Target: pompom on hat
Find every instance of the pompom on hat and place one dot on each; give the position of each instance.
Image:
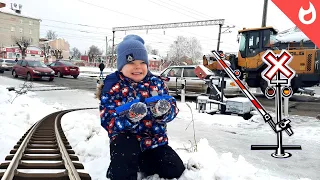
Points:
(130, 49)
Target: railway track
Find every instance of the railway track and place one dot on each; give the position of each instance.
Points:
(43, 153)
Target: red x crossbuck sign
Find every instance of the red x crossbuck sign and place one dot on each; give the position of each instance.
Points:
(277, 63)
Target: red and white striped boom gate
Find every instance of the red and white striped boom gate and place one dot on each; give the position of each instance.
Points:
(281, 125)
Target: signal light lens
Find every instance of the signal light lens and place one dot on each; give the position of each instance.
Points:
(286, 91)
(237, 72)
(270, 92)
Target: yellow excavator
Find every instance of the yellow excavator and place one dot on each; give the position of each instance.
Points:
(252, 45)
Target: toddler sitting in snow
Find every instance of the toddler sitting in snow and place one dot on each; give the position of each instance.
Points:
(138, 139)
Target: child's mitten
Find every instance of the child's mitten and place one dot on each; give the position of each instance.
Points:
(137, 111)
(161, 108)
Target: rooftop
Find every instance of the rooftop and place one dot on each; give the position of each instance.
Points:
(8, 9)
(154, 57)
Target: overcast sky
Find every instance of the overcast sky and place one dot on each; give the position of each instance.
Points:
(101, 15)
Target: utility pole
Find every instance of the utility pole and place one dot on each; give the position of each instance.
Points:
(112, 57)
(222, 107)
(106, 48)
(225, 31)
(178, 57)
(219, 37)
(264, 15)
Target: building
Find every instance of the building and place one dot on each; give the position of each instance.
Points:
(15, 25)
(55, 45)
(84, 58)
(155, 62)
(97, 60)
(13, 52)
(2, 5)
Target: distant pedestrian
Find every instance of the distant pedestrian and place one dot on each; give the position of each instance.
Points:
(101, 67)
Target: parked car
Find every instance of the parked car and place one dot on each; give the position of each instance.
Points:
(194, 85)
(32, 69)
(65, 68)
(6, 64)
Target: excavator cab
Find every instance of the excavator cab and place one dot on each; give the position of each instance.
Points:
(252, 43)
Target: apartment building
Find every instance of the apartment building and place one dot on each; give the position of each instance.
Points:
(16, 24)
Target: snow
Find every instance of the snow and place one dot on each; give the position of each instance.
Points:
(222, 148)
(95, 69)
(202, 98)
(87, 71)
(239, 99)
(292, 35)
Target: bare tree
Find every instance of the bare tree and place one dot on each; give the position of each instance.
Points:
(46, 50)
(109, 51)
(23, 44)
(94, 51)
(51, 35)
(76, 53)
(184, 49)
(178, 50)
(195, 50)
(24, 88)
(148, 48)
(57, 53)
(154, 51)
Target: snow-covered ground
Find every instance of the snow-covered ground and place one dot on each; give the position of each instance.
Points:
(86, 71)
(223, 142)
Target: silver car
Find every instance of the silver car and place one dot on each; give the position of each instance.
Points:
(194, 85)
(6, 65)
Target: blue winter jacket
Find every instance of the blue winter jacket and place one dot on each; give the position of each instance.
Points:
(118, 90)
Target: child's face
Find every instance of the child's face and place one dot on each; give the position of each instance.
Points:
(135, 70)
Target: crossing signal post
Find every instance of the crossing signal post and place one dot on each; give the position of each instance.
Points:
(277, 74)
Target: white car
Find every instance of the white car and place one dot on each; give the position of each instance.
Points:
(6, 64)
(194, 85)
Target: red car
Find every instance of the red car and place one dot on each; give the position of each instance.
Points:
(32, 69)
(65, 68)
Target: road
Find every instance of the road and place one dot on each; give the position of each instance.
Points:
(83, 83)
(299, 104)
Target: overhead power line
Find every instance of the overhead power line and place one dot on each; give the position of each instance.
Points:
(79, 30)
(171, 25)
(77, 24)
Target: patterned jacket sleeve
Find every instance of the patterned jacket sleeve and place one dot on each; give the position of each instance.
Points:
(173, 112)
(110, 120)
